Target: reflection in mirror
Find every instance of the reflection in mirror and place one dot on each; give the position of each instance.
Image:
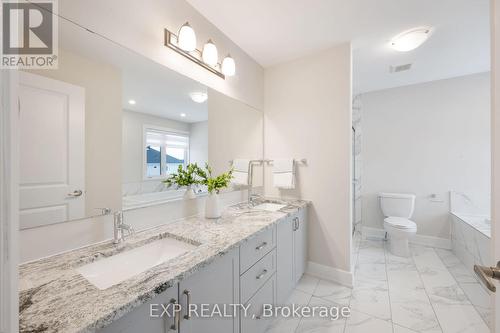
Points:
(165, 125)
(100, 133)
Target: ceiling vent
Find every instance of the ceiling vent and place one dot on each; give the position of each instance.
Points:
(400, 68)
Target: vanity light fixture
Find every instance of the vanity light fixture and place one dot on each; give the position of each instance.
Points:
(187, 38)
(410, 39)
(131, 102)
(228, 66)
(198, 97)
(183, 115)
(209, 54)
(185, 44)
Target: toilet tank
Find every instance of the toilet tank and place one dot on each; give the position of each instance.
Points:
(397, 204)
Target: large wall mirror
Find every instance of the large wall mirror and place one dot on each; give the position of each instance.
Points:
(101, 132)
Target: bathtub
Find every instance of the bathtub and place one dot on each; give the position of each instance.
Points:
(470, 238)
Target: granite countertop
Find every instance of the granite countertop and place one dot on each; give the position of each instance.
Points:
(54, 297)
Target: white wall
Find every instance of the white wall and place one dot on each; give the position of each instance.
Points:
(139, 25)
(132, 141)
(495, 140)
(424, 139)
(198, 143)
(308, 115)
(235, 131)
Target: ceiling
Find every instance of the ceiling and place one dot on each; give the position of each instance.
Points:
(276, 31)
(156, 89)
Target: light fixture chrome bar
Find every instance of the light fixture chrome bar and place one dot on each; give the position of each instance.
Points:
(194, 56)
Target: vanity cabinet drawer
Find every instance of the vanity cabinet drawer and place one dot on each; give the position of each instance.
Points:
(257, 275)
(256, 248)
(253, 322)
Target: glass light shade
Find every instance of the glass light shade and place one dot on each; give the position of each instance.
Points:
(198, 97)
(209, 55)
(410, 40)
(228, 66)
(186, 38)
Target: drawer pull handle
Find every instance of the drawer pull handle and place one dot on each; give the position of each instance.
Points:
(177, 316)
(188, 302)
(261, 275)
(261, 246)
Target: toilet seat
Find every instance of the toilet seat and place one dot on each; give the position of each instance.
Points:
(400, 223)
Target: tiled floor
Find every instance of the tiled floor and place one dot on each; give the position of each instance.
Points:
(429, 292)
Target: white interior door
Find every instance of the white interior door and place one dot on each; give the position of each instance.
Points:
(52, 150)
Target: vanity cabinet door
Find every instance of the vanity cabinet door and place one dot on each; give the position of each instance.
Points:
(140, 319)
(300, 243)
(216, 285)
(285, 277)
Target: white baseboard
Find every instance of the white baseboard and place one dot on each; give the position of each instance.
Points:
(330, 273)
(442, 243)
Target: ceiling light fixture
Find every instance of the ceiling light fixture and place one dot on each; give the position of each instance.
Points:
(131, 102)
(183, 115)
(410, 39)
(198, 97)
(187, 38)
(185, 44)
(209, 54)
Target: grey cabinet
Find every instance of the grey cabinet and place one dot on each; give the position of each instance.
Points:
(291, 251)
(140, 319)
(300, 244)
(285, 275)
(216, 285)
(254, 321)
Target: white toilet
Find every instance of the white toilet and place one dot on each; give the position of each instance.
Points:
(397, 209)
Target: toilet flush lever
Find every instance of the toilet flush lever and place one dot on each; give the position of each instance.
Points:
(488, 273)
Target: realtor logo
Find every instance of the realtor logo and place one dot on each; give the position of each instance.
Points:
(29, 34)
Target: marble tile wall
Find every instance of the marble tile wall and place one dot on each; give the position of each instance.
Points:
(469, 244)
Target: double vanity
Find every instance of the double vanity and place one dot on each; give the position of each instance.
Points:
(253, 255)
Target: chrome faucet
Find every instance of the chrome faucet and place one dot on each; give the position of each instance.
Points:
(252, 196)
(119, 227)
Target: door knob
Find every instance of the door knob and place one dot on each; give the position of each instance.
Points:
(486, 274)
(75, 193)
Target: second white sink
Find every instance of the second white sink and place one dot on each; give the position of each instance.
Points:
(271, 207)
(107, 272)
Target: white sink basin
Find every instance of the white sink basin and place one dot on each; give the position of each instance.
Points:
(271, 207)
(107, 272)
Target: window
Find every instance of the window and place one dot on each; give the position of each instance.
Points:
(165, 151)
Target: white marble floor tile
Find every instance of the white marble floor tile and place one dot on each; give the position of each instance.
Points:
(411, 308)
(460, 318)
(372, 299)
(476, 294)
(462, 274)
(425, 258)
(281, 325)
(404, 279)
(319, 324)
(333, 292)
(442, 287)
(401, 329)
(361, 323)
(373, 272)
(448, 257)
(307, 284)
